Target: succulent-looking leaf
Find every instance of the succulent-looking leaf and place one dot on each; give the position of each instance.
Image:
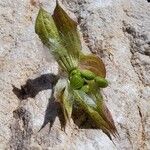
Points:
(93, 63)
(76, 82)
(87, 74)
(98, 114)
(67, 28)
(101, 82)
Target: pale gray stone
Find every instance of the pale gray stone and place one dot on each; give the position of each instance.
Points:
(116, 30)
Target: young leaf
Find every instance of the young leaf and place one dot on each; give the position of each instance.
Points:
(60, 85)
(63, 94)
(91, 108)
(49, 34)
(45, 28)
(93, 63)
(67, 102)
(67, 28)
(105, 113)
(102, 108)
(59, 34)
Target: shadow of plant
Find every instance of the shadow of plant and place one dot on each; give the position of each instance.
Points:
(34, 86)
(52, 111)
(48, 81)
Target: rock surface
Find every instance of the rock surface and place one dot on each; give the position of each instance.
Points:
(118, 31)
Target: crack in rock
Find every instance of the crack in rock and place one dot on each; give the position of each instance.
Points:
(143, 136)
(140, 48)
(21, 129)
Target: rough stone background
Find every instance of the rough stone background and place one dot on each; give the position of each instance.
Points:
(118, 31)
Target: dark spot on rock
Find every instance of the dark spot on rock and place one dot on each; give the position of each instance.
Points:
(130, 30)
(21, 129)
(34, 2)
(147, 53)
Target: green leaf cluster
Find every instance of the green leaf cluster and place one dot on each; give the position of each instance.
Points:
(86, 73)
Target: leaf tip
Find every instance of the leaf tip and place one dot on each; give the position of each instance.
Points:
(57, 2)
(37, 20)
